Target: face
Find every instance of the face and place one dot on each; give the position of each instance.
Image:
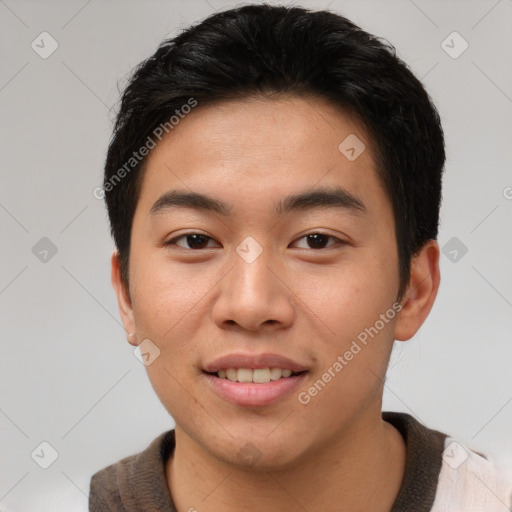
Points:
(297, 269)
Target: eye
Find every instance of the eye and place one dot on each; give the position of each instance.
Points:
(318, 240)
(200, 241)
(193, 240)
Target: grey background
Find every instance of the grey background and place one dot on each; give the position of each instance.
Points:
(68, 376)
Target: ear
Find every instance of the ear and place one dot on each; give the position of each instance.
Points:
(123, 298)
(421, 291)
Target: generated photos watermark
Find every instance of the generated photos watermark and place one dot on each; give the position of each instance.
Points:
(304, 397)
(137, 156)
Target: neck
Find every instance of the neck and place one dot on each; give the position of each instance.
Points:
(360, 470)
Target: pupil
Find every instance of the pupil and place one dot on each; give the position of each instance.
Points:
(195, 242)
(317, 239)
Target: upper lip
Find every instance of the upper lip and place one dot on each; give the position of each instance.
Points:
(253, 361)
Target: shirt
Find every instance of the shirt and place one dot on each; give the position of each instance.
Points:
(441, 475)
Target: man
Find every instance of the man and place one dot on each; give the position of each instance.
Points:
(273, 186)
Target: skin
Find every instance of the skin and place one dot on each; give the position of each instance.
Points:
(296, 300)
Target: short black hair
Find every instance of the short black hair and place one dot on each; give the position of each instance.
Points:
(266, 50)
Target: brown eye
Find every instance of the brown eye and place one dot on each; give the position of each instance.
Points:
(318, 240)
(193, 240)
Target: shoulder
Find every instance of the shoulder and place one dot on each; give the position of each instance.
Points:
(108, 484)
(122, 485)
(471, 481)
(443, 474)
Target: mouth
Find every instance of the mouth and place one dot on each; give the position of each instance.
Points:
(254, 387)
(255, 375)
(254, 380)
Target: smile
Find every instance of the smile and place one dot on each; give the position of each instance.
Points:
(254, 388)
(258, 375)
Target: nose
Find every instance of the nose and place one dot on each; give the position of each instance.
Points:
(255, 295)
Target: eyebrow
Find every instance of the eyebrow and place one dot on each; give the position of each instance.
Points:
(338, 198)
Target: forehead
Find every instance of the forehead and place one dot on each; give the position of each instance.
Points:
(255, 151)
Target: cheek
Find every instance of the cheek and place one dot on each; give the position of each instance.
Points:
(350, 296)
(353, 343)
(170, 303)
(165, 293)
(348, 304)
(167, 305)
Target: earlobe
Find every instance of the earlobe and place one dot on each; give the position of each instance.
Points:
(123, 298)
(421, 291)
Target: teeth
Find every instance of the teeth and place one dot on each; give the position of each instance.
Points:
(244, 375)
(260, 375)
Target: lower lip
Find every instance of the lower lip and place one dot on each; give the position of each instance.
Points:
(250, 394)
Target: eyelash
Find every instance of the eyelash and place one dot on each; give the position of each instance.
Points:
(184, 235)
